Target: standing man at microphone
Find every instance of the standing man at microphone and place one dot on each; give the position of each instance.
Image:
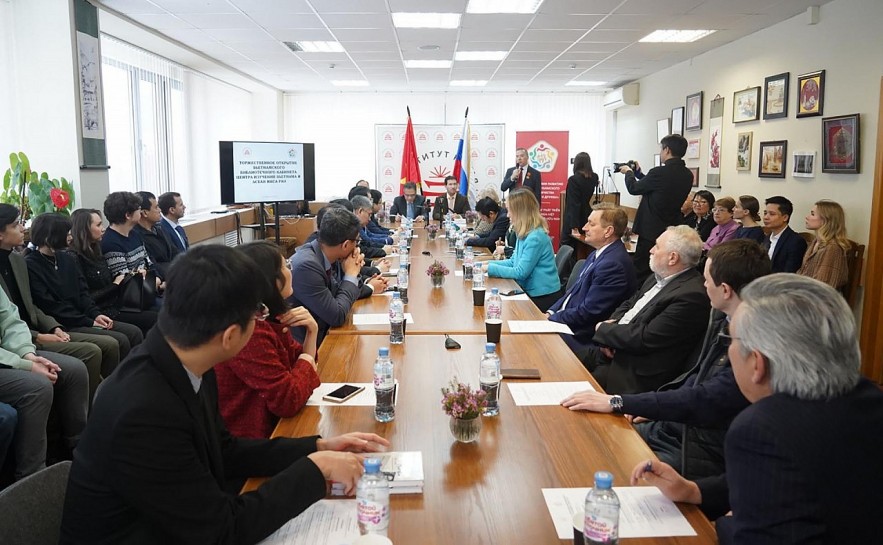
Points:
(523, 175)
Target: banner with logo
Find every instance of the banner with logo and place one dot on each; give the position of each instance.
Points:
(436, 149)
(547, 151)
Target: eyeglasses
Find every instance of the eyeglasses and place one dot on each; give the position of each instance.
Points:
(719, 209)
(261, 313)
(287, 263)
(726, 337)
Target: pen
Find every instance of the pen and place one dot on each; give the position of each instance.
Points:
(649, 467)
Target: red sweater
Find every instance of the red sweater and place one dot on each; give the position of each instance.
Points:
(264, 382)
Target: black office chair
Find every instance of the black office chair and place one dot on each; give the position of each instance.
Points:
(30, 510)
(562, 262)
(574, 274)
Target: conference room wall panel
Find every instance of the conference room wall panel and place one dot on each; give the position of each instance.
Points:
(342, 125)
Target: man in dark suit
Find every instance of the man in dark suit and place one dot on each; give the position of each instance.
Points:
(325, 272)
(605, 281)
(409, 204)
(154, 463)
(803, 460)
(451, 201)
(158, 243)
(524, 175)
(172, 208)
(786, 248)
(491, 212)
(662, 191)
(650, 339)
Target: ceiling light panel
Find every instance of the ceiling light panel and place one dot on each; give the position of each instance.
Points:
(424, 63)
(349, 83)
(503, 6)
(426, 20)
(316, 47)
(468, 83)
(675, 36)
(480, 55)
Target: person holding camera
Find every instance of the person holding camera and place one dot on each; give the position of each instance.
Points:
(663, 190)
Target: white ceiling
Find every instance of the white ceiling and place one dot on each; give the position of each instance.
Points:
(590, 40)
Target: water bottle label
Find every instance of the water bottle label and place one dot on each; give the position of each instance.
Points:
(383, 382)
(600, 529)
(373, 516)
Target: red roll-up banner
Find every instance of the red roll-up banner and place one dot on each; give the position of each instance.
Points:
(547, 152)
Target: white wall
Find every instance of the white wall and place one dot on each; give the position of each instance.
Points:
(342, 125)
(846, 42)
(9, 134)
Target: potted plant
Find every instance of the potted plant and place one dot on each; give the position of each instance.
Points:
(463, 404)
(35, 194)
(437, 272)
(432, 229)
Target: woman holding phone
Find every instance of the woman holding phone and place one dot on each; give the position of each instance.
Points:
(274, 375)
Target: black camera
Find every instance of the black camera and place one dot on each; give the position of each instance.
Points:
(631, 164)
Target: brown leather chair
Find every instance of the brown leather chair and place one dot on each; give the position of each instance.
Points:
(855, 260)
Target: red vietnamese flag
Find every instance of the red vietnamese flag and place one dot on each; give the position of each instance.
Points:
(410, 165)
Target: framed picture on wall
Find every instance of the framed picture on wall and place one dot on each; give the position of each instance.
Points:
(693, 148)
(841, 144)
(773, 159)
(743, 150)
(775, 96)
(677, 120)
(811, 94)
(662, 129)
(746, 105)
(694, 112)
(657, 160)
(695, 171)
(804, 164)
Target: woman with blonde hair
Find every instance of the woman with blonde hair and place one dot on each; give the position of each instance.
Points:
(825, 259)
(532, 264)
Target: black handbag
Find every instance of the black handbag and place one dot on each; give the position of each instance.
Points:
(138, 292)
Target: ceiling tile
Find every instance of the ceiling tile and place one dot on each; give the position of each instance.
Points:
(635, 22)
(132, 7)
(357, 47)
(578, 56)
(498, 21)
(302, 35)
(189, 6)
(489, 34)
(655, 7)
(238, 35)
(272, 6)
(360, 20)
(541, 46)
(615, 36)
(426, 36)
(375, 58)
(428, 6)
(189, 36)
(350, 6)
(560, 35)
(218, 20)
(577, 22)
(272, 20)
(161, 21)
(364, 35)
(558, 7)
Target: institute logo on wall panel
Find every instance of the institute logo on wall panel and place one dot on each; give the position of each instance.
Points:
(547, 152)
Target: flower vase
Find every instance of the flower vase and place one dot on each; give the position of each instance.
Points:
(438, 280)
(465, 430)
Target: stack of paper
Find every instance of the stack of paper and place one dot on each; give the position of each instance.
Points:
(403, 470)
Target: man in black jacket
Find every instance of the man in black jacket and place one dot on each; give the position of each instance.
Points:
(662, 191)
(685, 421)
(160, 248)
(155, 458)
(523, 175)
(409, 204)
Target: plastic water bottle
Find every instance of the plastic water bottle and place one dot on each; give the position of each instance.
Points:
(404, 257)
(384, 386)
(372, 500)
(601, 524)
(459, 247)
(477, 276)
(402, 280)
(489, 379)
(468, 261)
(493, 306)
(396, 319)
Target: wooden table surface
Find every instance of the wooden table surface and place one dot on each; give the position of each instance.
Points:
(448, 309)
(488, 492)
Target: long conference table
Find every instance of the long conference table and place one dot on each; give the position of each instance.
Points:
(487, 492)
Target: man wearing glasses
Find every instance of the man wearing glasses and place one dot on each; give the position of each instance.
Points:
(409, 204)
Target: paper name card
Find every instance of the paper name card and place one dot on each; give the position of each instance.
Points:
(538, 326)
(378, 319)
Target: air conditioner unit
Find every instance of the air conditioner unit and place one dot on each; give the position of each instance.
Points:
(627, 95)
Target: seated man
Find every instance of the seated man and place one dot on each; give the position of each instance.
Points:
(325, 273)
(489, 211)
(452, 201)
(650, 339)
(803, 460)
(172, 208)
(786, 248)
(154, 459)
(605, 281)
(160, 248)
(409, 204)
(363, 208)
(374, 225)
(689, 417)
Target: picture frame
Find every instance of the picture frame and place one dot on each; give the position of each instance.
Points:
(695, 171)
(841, 144)
(743, 150)
(811, 94)
(677, 120)
(746, 105)
(693, 112)
(773, 159)
(657, 160)
(775, 96)
(804, 164)
(693, 146)
(662, 129)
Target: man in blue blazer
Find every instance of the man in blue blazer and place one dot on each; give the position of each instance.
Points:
(605, 281)
(803, 461)
(173, 208)
(786, 248)
(409, 204)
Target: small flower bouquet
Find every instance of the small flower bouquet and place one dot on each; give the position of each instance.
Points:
(461, 401)
(471, 217)
(432, 230)
(437, 269)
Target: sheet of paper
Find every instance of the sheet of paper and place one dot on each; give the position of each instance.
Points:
(538, 326)
(458, 273)
(644, 512)
(326, 522)
(378, 319)
(519, 297)
(544, 393)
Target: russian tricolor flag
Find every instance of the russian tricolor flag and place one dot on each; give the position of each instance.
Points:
(461, 160)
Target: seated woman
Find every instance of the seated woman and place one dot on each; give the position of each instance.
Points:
(825, 259)
(58, 288)
(273, 376)
(532, 264)
(726, 225)
(747, 212)
(700, 218)
(482, 228)
(580, 188)
(104, 287)
(489, 211)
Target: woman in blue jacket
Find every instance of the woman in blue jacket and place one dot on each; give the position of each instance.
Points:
(532, 264)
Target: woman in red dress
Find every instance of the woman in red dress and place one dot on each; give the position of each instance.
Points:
(273, 376)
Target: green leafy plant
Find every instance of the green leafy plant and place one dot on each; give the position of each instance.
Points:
(35, 194)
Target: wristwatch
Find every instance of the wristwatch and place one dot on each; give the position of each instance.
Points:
(616, 404)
